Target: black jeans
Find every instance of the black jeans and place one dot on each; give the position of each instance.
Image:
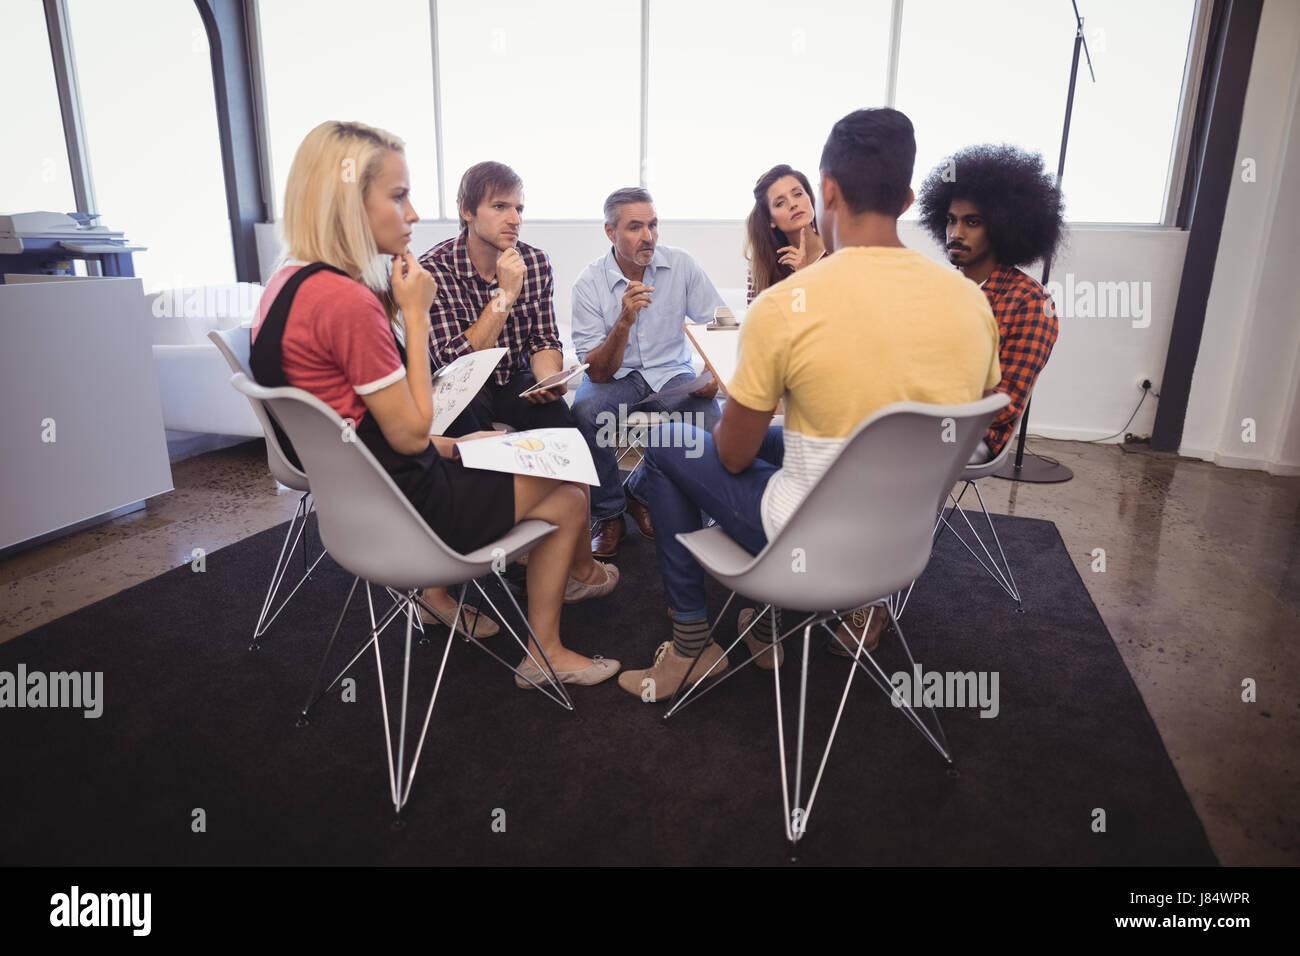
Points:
(501, 403)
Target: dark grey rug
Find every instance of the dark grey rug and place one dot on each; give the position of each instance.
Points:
(197, 728)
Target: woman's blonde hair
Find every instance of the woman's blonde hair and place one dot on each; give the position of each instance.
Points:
(324, 202)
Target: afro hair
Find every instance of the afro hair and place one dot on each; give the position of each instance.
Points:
(1017, 197)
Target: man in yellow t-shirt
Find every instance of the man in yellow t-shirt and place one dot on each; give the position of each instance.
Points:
(871, 324)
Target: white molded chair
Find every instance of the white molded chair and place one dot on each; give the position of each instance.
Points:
(865, 532)
(235, 345)
(372, 530)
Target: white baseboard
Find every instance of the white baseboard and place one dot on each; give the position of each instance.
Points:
(1280, 468)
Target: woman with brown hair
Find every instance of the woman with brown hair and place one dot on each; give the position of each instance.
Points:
(329, 323)
(781, 232)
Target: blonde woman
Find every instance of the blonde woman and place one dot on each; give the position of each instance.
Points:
(329, 324)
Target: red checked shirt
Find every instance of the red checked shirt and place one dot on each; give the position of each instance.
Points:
(1027, 330)
(463, 295)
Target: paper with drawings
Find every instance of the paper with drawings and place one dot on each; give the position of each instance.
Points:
(546, 452)
(456, 384)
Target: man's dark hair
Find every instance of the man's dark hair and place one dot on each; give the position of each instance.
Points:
(870, 154)
(482, 181)
(624, 197)
(1022, 207)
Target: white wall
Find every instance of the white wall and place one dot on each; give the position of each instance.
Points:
(1089, 387)
(1249, 361)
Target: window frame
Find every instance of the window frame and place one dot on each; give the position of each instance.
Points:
(56, 13)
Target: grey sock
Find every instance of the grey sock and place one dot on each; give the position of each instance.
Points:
(763, 628)
(689, 637)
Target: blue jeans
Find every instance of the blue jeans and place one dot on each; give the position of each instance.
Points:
(597, 415)
(684, 476)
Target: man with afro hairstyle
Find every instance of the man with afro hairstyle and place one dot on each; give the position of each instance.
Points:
(995, 208)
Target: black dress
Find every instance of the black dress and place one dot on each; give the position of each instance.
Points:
(467, 508)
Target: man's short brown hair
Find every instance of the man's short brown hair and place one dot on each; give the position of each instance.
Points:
(482, 181)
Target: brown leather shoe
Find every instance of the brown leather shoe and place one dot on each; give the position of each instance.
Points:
(845, 642)
(641, 515)
(604, 544)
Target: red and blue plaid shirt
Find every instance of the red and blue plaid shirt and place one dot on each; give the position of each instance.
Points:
(1027, 330)
(463, 295)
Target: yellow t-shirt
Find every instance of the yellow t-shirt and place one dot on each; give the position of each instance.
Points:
(865, 327)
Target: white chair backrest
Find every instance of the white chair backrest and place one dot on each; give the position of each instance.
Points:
(366, 524)
(235, 345)
(864, 530)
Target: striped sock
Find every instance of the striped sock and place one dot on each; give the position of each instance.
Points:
(763, 628)
(689, 637)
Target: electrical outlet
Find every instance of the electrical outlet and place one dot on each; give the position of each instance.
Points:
(1144, 383)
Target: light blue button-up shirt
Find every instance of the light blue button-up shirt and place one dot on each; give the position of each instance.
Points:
(656, 344)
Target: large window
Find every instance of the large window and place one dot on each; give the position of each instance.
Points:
(738, 86)
(339, 60)
(151, 135)
(580, 97)
(34, 162)
(551, 89)
(966, 77)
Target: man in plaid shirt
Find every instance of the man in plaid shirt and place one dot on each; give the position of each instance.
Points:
(495, 291)
(995, 208)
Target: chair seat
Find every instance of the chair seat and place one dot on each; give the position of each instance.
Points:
(717, 552)
(514, 543)
(984, 469)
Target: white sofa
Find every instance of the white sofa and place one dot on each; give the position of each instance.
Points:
(193, 378)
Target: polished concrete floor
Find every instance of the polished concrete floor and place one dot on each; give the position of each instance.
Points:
(1200, 591)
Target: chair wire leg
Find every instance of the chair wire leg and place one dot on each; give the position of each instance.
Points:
(282, 567)
(552, 679)
(835, 726)
(388, 618)
(545, 666)
(689, 694)
(936, 738)
(433, 699)
(312, 696)
(999, 571)
(399, 798)
(796, 821)
(898, 603)
(684, 690)
(795, 818)
(1006, 565)
(297, 524)
(306, 513)
(940, 522)
(780, 749)
(987, 561)
(383, 704)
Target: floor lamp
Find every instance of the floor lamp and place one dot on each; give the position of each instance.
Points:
(1032, 467)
